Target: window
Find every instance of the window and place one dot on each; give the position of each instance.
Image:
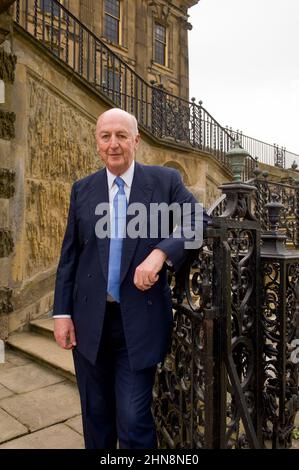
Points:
(160, 44)
(46, 6)
(112, 20)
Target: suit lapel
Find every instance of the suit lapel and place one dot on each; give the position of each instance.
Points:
(99, 194)
(141, 192)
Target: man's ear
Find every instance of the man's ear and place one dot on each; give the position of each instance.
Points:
(137, 140)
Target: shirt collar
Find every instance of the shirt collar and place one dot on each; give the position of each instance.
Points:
(127, 176)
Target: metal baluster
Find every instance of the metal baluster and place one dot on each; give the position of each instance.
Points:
(26, 15)
(74, 45)
(101, 64)
(132, 99)
(80, 38)
(113, 78)
(59, 30)
(18, 11)
(141, 104)
(43, 21)
(125, 89)
(94, 61)
(67, 38)
(52, 26)
(108, 75)
(88, 55)
(35, 18)
(201, 126)
(146, 106)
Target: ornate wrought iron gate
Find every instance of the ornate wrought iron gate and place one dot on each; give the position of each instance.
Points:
(219, 386)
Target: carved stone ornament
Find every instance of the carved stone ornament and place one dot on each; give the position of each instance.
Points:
(5, 300)
(6, 243)
(7, 179)
(7, 66)
(7, 128)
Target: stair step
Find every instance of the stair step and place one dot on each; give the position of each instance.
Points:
(45, 351)
(43, 327)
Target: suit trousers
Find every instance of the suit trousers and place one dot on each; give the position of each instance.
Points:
(116, 401)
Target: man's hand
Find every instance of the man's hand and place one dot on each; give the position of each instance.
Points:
(146, 274)
(64, 333)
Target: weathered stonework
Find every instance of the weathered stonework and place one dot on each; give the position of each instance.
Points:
(46, 215)
(7, 125)
(7, 66)
(5, 300)
(61, 149)
(6, 307)
(7, 180)
(61, 144)
(212, 191)
(6, 243)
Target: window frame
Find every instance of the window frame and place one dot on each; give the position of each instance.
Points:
(166, 44)
(120, 23)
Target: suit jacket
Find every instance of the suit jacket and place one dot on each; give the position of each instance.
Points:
(81, 282)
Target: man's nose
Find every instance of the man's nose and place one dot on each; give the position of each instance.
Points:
(114, 141)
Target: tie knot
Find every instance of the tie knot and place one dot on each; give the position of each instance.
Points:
(120, 182)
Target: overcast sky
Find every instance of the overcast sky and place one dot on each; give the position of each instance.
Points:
(244, 66)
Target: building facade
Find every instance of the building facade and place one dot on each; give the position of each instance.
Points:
(151, 36)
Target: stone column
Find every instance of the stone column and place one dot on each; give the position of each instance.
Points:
(7, 174)
(183, 58)
(142, 48)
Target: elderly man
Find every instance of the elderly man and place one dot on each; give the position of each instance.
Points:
(112, 302)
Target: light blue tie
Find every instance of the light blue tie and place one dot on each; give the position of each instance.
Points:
(118, 227)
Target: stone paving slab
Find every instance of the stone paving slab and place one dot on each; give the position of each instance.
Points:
(12, 359)
(58, 436)
(15, 358)
(28, 377)
(76, 424)
(10, 427)
(44, 407)
(4, 392)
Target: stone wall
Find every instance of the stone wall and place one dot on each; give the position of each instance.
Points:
(7, 173)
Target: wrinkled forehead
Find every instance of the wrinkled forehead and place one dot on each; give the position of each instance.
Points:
(116, 122)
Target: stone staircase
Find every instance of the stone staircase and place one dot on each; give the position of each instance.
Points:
(38, 343)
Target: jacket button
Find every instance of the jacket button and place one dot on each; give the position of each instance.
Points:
(86, 241)
(149, 302)
(88, 275)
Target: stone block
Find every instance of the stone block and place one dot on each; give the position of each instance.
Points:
(76, 424)
(7, 181)
(28, 377)
(6, 243)
(54, 437)
(44, 407)
(4, 392)
(10, 427)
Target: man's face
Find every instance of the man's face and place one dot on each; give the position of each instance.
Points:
(116, 142)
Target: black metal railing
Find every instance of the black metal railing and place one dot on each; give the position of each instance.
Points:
(274, 155)
(230, 379)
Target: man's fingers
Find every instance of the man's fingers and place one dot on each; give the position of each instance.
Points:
(73, 337)
(64, 333)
